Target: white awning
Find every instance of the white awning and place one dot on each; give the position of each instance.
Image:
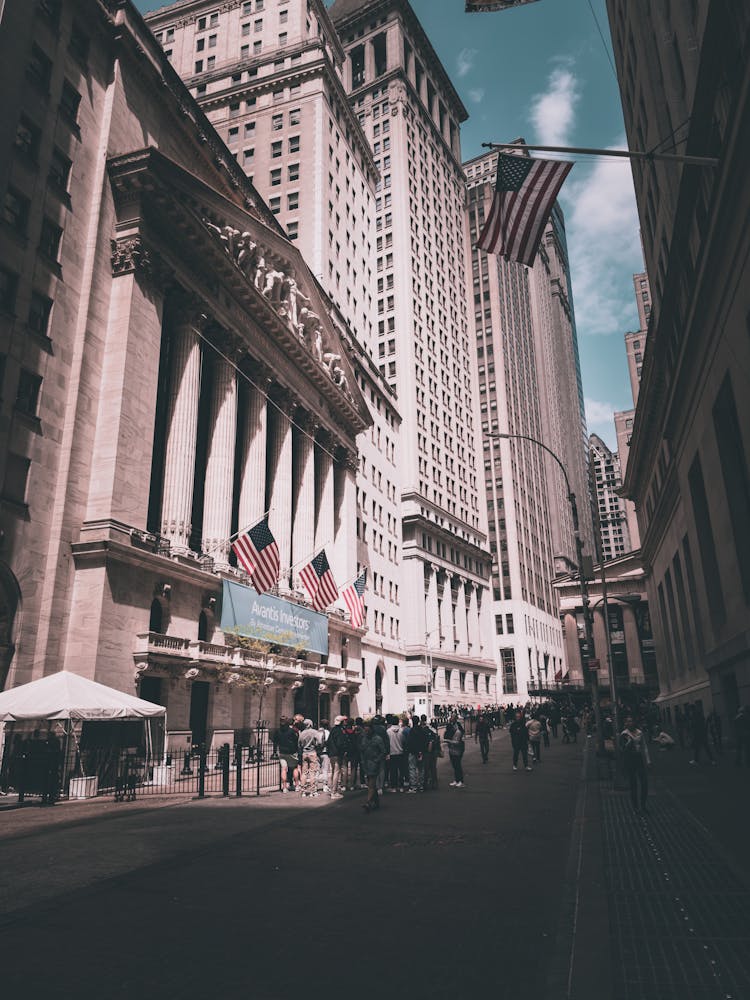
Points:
(66, 695)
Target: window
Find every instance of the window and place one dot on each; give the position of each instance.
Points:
(59, 171)
(283, 16)
(276, 177)
(16, 477)
(8, 290)
(198, 66)
(249, 129)
(295, 116)
(294, 144)
(39, 313)
(277, 122)
(234, 110)
(282, 38)
(69, 102)
(27, 138)
(244, 52)
(248, 155)
(292, 201)
(210, 62)
(276, 149)
(79, 43)
(257, 48)
(27, 396)
(275, 204)
(233, 136)
(213, 21)
(293, 172)
(212, 41)
(16, 211)
(169, 35)
(278, 95)
(258, 26)
(292, 230)
(49, 239)
(39, 70)
(200, 45)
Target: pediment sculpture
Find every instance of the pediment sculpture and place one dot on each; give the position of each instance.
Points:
(281, 289)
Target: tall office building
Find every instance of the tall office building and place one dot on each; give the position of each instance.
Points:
(684, 75)
(511, 351)
(269, 76)
(411, 114)
(607, 479)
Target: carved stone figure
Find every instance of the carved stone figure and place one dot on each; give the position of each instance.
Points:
(260, 271)
(329, 360)
(340, 379)
(246, 252)
(273, 285)
(318, 344)
(294, 296)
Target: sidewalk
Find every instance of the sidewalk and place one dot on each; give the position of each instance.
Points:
(678, 883)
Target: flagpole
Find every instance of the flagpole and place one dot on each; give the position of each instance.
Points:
(694, 161)
(315, 551)
(243, 530)
(355, 577)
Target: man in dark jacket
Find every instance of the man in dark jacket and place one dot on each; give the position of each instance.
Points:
(483, 734)
(337, 744)
(454, 740)
(285, 745)
(416, 746)
(519, 740)
(372, 752)
(380, 729)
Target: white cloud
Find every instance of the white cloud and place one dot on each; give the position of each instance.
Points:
(465, 61)
(600, 419)
(553, 112)
(477, 95)
(603, 241)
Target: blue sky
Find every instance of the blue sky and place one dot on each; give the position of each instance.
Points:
(541, 71)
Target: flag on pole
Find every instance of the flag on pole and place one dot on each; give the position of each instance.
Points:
(525, 192)
(353, 596)
(258, 554)
(479, 6)
(318, 580)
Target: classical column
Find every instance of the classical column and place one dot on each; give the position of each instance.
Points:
(486, 631)
(462, 625)
(324, 531)
(303, 528)
(433, 626)
(632, 646)
(252, 503)
(280, 485)
(573, 648)
(369, 62)
(182, 426)
(600, 644)
(473, 621)
(446, 616)
(217, 504)
(344, 558)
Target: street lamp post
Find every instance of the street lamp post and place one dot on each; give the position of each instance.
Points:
(593, 680)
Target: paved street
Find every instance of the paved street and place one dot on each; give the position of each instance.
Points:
(539, 884)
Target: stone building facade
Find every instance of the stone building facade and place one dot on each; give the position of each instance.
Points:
(171, 370)
(684, 74)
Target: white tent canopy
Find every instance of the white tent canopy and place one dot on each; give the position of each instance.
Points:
(66, 695)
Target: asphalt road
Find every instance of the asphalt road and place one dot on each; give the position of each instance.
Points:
(450, 894)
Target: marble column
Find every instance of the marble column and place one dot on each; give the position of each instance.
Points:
(486, 629)
(252, 502)
(344, 560)
(217, 505)
(446, 616)
(600, 644)
(433, 625)
(324, 530)
(473, 621)
(369, 62)
(573, 648)
(632, 646)
(182, 425)
(462, 625)
(280, 485)
(303, 528)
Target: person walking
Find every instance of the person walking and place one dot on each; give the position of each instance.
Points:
(698, 729)
(372, 753)
(454, 738)
(519, 740)
(742, 736)
(286, 747)
(534, 728)
(396, 747)
(635, 760)
(483, 736)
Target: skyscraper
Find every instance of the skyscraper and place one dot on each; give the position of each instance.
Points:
(512, 342)
(607, 477)
(411, 113)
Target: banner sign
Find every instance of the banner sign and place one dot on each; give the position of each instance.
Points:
(271, 619)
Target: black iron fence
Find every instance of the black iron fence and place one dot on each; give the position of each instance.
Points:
(130, 774)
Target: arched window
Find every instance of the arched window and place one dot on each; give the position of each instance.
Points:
(157, 616)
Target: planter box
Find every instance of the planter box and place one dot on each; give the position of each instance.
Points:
(83, 788)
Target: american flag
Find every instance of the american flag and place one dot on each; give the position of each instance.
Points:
(258, 554)
(354, 599)
(525, 192)
(318, 580)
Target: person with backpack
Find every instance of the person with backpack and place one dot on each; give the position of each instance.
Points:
(454, 738)
(483, 735)
(373, 752)
(635, 759)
